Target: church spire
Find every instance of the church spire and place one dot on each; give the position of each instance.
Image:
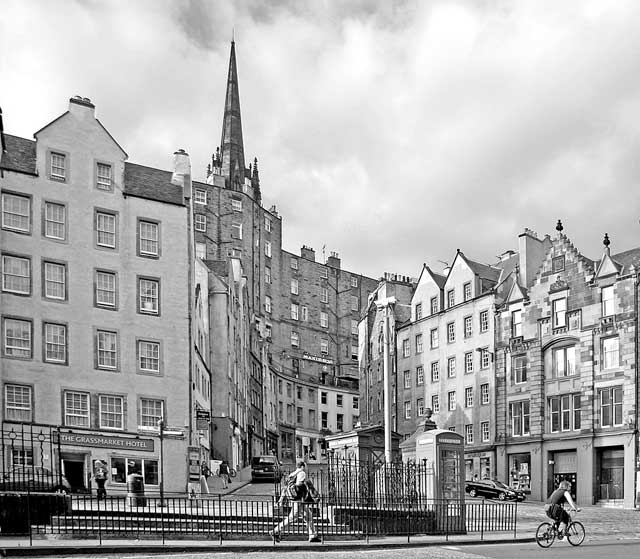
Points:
(232, 163)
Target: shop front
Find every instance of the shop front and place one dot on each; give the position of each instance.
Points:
(123, 456)
(520, 471)
(479, 465)
(610, 474)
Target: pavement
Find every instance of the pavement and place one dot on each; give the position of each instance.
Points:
(600, 523)
(242, 479)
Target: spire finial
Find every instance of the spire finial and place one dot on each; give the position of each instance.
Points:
(606, 242)
(233, 34)
(231, 145)
(559, 227)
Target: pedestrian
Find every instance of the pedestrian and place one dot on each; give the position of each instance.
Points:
(223, 473)
(205, 472)
(100, 476)
(302, 503)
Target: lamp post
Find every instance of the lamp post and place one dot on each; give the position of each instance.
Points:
(161, 430)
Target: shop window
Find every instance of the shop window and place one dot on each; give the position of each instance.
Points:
(122, 467)
(519, 471)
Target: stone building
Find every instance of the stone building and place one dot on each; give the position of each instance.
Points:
(95, 304)
(444, 355)
(566, 358)
(399, 289)
(307, 311)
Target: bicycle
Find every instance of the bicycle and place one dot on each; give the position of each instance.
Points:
(547, 533)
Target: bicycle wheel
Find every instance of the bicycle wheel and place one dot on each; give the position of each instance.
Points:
(545, 534)
(575, 533)
(232, 472)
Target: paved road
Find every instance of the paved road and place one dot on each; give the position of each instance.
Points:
(265, 489)
(589, 550)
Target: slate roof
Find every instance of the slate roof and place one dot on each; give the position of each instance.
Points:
(484, 271)
(152, 184)
(20, 155)
(626, 259)
(438, 278)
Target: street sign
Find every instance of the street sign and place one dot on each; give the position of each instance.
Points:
(205, 415)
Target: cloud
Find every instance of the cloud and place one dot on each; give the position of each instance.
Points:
(392, 132)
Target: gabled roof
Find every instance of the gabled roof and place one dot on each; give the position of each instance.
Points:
(621, 262)
(439, 279)
(517, 292)
(483, 271)
(20, 155)
(151, 184)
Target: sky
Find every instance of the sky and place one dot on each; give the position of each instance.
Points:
(390, 132)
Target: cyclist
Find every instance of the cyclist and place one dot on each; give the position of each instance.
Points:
(555, 510)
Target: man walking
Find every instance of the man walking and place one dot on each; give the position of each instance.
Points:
(301, 504)
(100, 475)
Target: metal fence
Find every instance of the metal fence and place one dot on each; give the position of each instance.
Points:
(30, 458)
(343, 481)
(41, 515)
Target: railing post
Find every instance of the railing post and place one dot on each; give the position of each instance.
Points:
(220, 517)
(515, 520)
(99, 524)
(482, 520)
(446, 516)
(29, 515)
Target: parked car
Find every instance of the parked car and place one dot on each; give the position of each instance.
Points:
(265, 468)
(493, 489)
(34, 478)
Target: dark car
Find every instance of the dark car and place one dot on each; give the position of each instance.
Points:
(493, 489)
(265, 468)
(34, 478)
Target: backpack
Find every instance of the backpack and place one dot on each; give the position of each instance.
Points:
(313, 495)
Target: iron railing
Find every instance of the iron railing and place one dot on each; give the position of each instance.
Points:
(38, 515)
(30, 458)
(343, 481)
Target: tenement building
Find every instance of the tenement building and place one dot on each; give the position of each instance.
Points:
(445, 354)
(566, 375)
(306, 311)
(95, 309)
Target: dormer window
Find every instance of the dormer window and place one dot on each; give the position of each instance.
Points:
(516, 323)
(434, 305)
(58, 166)
(467, 291)
(451, 298)
(608, 307)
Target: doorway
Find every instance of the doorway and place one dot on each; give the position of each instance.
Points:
(73, 467)
(611, 461)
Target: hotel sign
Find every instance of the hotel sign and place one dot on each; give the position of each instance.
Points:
(317, 359)
(106, 441)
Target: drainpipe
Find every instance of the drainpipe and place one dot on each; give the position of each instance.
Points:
(635, 422)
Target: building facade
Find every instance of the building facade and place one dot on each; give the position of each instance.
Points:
(94, 303)
(306, 311)
(566, 400)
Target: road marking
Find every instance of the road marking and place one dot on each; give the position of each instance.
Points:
(453, 547)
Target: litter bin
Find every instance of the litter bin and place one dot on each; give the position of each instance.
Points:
(135, 491)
